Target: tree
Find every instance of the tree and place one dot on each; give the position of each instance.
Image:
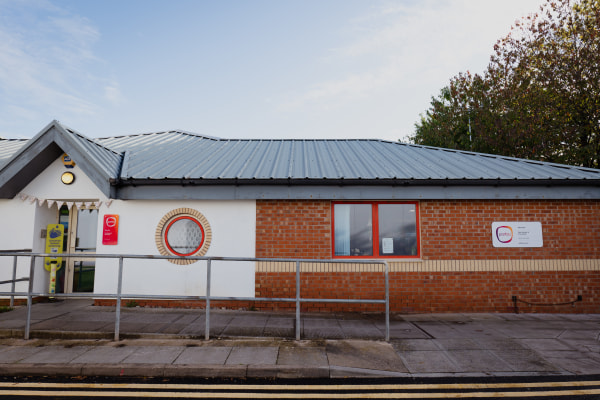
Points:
(539, 98)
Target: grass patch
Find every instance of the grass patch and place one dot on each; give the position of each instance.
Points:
(5, 309)
(131, 303)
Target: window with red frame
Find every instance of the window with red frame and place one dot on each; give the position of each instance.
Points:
(375, 229)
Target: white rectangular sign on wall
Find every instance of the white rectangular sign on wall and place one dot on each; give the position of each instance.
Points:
(517, 234)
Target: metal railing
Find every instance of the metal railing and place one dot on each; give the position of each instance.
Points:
(14, 279)
(119, 295)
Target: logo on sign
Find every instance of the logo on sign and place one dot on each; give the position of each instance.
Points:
(111, 222)
(504, 234)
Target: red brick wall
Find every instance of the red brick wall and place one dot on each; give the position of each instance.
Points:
(461, 229)
(439, 292)
(293, 229)
(449, 230)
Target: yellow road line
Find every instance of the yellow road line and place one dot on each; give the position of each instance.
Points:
(167, 386)
(250, 395)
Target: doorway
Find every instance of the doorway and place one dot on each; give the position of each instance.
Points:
(76, 274)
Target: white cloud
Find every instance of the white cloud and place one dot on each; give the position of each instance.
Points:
(406, 52)
(45, 59)
(112, 92)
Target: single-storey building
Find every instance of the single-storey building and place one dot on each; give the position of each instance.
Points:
(461, 231)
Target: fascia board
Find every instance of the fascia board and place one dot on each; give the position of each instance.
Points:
(324, 192)
(88, 164)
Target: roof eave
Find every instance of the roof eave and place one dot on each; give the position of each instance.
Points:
(356, 182)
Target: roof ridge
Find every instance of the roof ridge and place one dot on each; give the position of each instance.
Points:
(90, 140)
(160, 133)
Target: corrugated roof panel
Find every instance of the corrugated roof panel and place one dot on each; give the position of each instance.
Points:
(8, 147)
(180, 155)
(104, 157)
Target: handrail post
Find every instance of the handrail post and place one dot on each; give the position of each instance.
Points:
(297, 300)
(12, 286)
(207, 325)
(118, 302)
(387, 302)
(29, 297)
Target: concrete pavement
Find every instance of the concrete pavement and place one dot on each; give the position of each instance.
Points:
(72, 338)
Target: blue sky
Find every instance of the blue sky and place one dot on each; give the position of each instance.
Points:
(239, 68)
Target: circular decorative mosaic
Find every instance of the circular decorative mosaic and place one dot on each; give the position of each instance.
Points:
(183, 232)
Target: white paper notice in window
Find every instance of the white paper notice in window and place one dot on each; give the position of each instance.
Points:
(388, 245)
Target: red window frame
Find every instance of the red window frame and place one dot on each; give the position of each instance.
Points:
(166, 235)
(375, 227)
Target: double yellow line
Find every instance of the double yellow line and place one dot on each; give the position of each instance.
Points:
(371, 391)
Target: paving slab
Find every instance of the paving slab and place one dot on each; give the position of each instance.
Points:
(525, 360)
(477, 361)
(14, 354)
(245, 326)
(280, 327)
(364, 354)
(196, 328)
(415, 345)
(428, 362)
(457, 344)
(204, 355)
(572, 361)
(104, 355)
(313, 328)
(253, 355)
(360, 328)
(580, 334)
(153, 354)
(69, 325)
(56, 354)
(132, 317)
(437, 329)
(546, 344)
(306, 356)
(87, 315)
(502, 344)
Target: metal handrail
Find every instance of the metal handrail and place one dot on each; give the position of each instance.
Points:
(207, 298)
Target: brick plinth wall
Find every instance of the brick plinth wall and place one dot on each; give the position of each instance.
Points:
(437, 292)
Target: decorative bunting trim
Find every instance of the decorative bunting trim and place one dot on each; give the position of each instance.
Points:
(59, 203)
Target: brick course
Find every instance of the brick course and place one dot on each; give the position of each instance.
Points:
(293, 229)
(461, 229)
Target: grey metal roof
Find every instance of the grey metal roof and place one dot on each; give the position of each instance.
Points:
(176, 155)
(107, 159)
(8, 147)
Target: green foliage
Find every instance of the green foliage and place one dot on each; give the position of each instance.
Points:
(5, 309)
(539, 97)
(131, 304)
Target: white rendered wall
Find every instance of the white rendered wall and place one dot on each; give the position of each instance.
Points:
(232, 223)
(16, 233)
(47, 185)
(28, 214)
(233, 226)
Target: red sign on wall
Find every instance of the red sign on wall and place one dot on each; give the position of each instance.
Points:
(110, 229)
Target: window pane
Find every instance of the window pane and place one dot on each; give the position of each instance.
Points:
(397, 230)
(87, 229)
(353, 230)
(184, 236)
